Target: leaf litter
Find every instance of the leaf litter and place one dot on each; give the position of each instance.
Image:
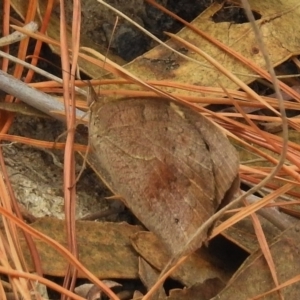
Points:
(287, 12)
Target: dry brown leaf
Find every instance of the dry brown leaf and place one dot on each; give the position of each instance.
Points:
(274, 25)
(243, 235)
(199, 267)
(137, 295)
(161, 64)
(199, 291)
(93, 292)
(149, 276)
(172, 166)
(248, 282)
(104, 248)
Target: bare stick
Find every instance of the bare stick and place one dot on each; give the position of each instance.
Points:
(272, 214)
(38, 70)
(18, 36)
(41, 101)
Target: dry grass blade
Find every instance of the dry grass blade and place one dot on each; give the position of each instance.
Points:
(35, 98)
(44, 24)
(39, 144)
(238, 56)
(5, 31)
(10, 200)
(69, 158)
(122, 72)
(23, 292)
(248, 135)
(265, 180)
(219, 67)
(10, 247)
(265, 249)
(36, 278)
(36, 70)
(279, 287)
(252, 190)
(251, 208)
(17, 36)
(62, 250)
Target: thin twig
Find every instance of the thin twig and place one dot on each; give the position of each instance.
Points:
(18, 36)
(38, 70)
(41, 101)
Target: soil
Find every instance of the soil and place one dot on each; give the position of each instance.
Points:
(126, 40)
